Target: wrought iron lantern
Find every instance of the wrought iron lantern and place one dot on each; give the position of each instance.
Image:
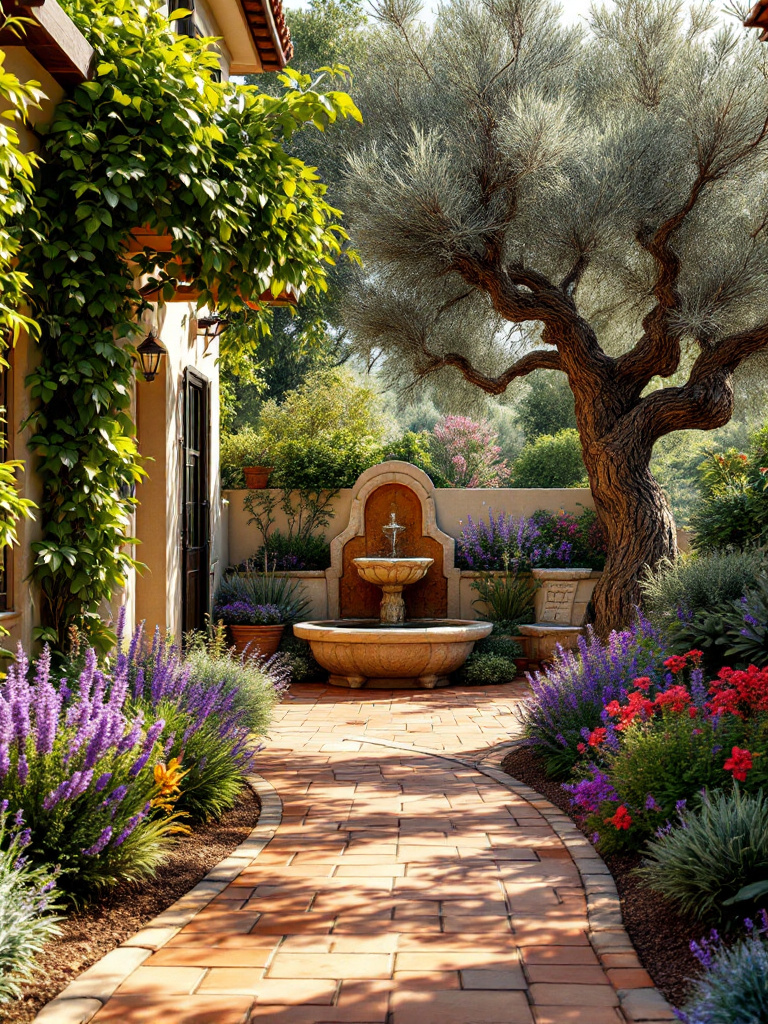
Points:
(150, 353)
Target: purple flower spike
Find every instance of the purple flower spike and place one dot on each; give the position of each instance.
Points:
(101, 842)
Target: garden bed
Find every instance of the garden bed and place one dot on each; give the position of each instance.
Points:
(90, 934)
(659, 934)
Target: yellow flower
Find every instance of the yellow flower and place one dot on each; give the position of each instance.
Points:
(168, 778)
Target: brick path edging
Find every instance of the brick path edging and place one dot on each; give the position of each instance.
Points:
(607, 933)
(84, 997)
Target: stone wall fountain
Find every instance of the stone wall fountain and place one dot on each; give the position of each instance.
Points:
(411, 644)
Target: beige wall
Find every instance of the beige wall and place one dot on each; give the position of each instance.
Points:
(160, 430)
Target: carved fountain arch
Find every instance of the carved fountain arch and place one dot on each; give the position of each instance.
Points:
(400, 487)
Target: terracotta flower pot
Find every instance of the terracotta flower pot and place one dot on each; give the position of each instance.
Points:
(257, 640)
(257, 477)
(521, 664)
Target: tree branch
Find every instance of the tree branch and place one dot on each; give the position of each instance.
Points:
(541, 359)
(658, 351)
(705, 401)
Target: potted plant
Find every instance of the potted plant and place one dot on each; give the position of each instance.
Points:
(256, 465)
(256, 607)
(257, 477)
(255, 629)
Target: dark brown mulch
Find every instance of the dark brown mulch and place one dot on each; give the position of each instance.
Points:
(87, 935)
(660, 935)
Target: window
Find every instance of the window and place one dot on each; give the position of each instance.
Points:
(184, 26)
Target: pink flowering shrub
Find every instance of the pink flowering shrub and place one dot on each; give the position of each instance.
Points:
(467, 453)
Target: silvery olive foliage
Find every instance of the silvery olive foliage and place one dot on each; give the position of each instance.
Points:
(567, 147)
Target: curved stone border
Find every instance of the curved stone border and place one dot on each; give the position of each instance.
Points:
(84, 997)
(606, 932)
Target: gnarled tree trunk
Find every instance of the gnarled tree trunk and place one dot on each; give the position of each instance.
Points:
(637, 522)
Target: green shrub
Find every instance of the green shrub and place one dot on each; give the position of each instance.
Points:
(508, 597)
(500, 646)
(26, 906)
(716, 850)
(691, 600)
(483, 669)
(669, 760)
(734, 986)
(733, 507)
(299, 660)
(548, 406)
(552, 460)
(325, 432)
(416, 448)
(324, 461)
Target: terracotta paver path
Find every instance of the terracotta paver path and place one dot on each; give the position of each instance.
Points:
(402, 887)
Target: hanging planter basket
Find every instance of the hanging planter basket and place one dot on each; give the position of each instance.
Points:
(145, 237)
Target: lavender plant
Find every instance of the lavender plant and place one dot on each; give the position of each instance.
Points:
(212, 705)
(77, 761)
(243, 613)
(568, 701)
(27, 906)
(543, 540)
(734, 986)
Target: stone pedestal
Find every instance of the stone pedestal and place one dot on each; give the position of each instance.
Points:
(561, 606)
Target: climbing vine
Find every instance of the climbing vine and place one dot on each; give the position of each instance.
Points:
(152, 140)
(16, 171)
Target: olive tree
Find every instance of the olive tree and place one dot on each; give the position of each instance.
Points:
(584, 199)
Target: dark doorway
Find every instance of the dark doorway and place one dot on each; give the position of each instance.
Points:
(195, 527)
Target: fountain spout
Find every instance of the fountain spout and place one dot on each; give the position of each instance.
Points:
(393, 528)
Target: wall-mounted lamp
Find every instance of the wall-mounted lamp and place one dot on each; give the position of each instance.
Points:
(210, 327)
(150, 352)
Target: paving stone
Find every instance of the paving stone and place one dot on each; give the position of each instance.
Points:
(425, 1007)
(68, 1011)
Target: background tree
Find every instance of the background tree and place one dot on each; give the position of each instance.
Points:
(535, 196)
(547, 407)
(311, 336)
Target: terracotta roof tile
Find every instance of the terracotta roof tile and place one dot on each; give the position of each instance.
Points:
(270, 32)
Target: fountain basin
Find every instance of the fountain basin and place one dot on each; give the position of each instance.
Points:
(393, 572)
(418, 654)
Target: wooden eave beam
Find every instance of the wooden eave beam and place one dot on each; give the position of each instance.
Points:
(53, 39)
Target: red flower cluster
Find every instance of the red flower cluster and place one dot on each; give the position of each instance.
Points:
(597, 737)
(676, 698)
(739, 763)
(621, 819)
(679, 662)
(637, 704)
(740, 693)
(643, 683)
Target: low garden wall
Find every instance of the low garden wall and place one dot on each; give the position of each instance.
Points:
(452, 506)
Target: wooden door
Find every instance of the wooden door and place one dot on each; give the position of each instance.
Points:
(196, 528)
